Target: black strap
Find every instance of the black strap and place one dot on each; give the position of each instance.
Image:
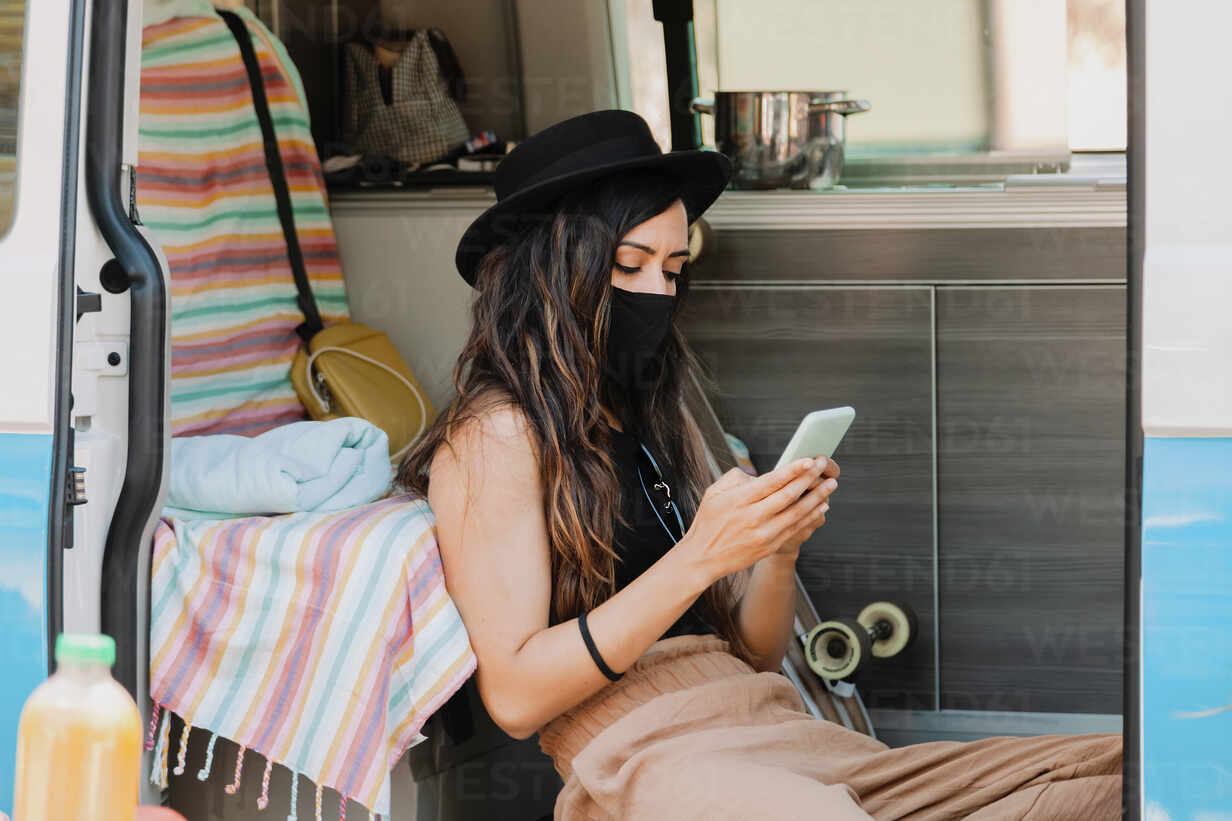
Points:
(594, 651)
(278, 176)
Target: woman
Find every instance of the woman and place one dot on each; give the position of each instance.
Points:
(640, 644)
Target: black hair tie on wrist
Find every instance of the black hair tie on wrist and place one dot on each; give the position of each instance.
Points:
(594, 651)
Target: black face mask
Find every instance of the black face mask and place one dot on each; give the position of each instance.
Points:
(637, 339)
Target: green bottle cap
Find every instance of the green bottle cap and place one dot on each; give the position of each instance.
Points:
(87, 647)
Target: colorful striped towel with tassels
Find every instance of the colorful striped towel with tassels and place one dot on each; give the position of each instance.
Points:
(321, 641)
(204, 192)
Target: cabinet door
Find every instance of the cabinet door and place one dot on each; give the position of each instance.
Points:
(1031, 410)
(777, 353)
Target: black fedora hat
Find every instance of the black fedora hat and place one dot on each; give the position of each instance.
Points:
(576, 151)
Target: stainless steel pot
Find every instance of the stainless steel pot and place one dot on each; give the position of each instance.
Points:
(781, 139)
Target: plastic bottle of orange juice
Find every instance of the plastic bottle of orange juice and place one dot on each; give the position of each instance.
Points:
(79, 740)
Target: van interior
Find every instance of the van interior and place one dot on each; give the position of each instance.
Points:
(966, 294)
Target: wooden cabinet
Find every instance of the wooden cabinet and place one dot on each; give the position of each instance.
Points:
(778, 353)
(1031, 438)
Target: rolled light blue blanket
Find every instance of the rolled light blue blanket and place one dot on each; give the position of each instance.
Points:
(318, 466)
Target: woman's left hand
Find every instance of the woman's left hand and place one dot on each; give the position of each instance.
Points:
(819, 492)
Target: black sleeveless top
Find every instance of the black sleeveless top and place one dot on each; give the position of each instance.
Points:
(643, 541)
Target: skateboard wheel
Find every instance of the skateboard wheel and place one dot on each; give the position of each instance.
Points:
(837, 648)
(893, 626)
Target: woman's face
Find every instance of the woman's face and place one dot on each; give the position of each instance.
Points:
(650, 256)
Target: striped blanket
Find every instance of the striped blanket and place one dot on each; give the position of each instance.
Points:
(321, 641)
(204, 192)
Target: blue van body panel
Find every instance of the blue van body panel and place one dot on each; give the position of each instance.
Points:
(1187, 628)
(25, 482)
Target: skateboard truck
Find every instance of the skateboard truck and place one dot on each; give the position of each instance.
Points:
(838, 648)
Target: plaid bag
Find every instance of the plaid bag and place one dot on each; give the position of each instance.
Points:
(405, 106)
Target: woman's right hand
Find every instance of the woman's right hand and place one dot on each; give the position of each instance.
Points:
(742, 518)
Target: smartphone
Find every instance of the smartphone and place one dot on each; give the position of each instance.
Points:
(818, 435)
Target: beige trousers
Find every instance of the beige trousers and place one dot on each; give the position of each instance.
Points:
(691, 731)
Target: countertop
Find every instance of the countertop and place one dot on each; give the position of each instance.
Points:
(1091, 194)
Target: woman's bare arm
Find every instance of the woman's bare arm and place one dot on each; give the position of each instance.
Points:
(766, 612)
(488, 499)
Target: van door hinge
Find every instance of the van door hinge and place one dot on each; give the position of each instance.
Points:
(76, 492)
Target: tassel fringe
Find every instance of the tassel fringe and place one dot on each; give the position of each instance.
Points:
(263, 801)
(157, 768)
(149, 737)
(183, 755)
(294, 796)
(204, 772)
(234, 786)
(158, 741)
(160, 750)
(164, 744)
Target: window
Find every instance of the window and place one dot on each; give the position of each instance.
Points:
(1097, 75)
(999, 83)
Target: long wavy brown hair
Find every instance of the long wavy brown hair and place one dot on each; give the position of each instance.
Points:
(538, 342)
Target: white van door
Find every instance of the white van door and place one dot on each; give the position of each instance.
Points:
(41, 53)
(83, 440)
